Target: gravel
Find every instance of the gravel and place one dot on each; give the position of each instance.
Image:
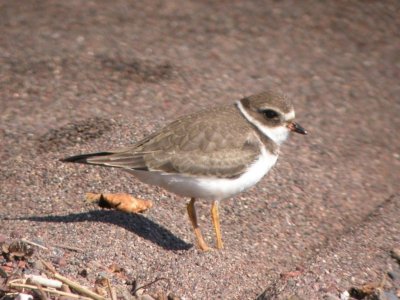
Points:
(79, 76)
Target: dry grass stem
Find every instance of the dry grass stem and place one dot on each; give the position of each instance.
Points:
(77, 287)
(35, 244)
(112, 291)
(76, 249)
(51, 291)
(48, 266)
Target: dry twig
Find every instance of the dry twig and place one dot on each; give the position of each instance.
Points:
(48, 266)
(149, 284)
(35, 244)
(77, 287)
(51, 291)
(76, 249)
(113, 294)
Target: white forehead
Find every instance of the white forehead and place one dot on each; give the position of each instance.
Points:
(289, 116)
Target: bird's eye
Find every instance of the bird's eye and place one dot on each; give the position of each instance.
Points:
(269, 113)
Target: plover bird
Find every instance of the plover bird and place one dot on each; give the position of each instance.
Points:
(213, 154)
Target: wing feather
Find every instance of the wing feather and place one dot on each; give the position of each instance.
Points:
(194, 145)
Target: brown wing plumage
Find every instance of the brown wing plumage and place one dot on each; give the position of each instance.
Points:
(217, 142)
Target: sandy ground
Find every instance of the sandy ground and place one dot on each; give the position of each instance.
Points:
(79, 76)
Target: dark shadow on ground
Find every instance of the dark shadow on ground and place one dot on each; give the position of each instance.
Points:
(135, 223)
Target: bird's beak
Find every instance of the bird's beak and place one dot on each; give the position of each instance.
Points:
(296, 128)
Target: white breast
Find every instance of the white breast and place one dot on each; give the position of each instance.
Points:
(210, 188)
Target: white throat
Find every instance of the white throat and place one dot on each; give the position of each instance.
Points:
(277, 134)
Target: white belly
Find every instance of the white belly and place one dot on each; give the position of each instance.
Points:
(209, 188)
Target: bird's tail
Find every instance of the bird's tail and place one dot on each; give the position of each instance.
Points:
(89, 158)
(122, 158)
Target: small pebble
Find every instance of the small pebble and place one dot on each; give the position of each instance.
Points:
(60, 261)
(22, 296)
(345, 295)
(173, 297)
(83, 273)
(395, 252)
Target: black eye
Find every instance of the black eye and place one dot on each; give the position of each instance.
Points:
(269, 113)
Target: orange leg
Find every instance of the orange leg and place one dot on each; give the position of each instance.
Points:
(215, 220)
(193, 219)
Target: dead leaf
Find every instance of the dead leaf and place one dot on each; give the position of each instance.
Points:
(395, 253)
(291, 274)
(114, 268)
(101, 281)
(17, 250)
(123, 202)
(364, 291)
(118, 271)
(4, 248)
(173, 297)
